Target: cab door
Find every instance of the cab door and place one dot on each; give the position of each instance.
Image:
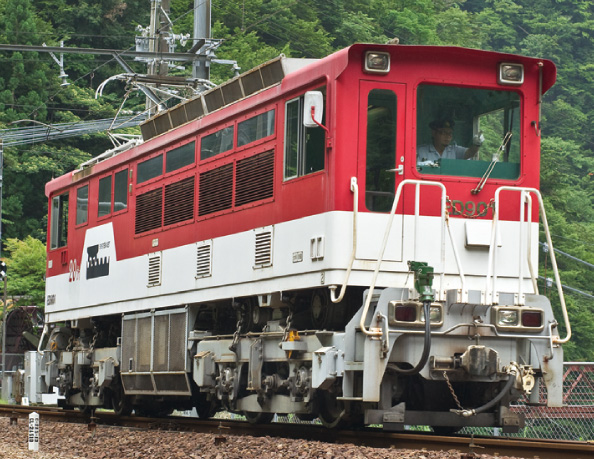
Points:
(381, 165)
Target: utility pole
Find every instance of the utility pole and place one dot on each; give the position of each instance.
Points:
(159, 31)
(2, 267)
(201, 68)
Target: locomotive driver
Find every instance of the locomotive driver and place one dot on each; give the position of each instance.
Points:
(442, 132)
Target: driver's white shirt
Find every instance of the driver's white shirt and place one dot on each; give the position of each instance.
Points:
(429, 153)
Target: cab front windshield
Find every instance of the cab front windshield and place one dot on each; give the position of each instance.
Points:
(467, 131)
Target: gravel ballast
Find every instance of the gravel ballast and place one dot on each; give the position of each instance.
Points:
(72, 441)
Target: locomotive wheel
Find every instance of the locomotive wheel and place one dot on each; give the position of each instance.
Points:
(331, 410)
(258, 417)
(321, 310)
(120, 403)
(205, 408)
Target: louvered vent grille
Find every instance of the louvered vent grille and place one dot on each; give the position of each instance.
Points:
(179, 201)
(263, 256)
(204, 260)
(149, 211)
(154, 270)
(216, 190)
(254, 178)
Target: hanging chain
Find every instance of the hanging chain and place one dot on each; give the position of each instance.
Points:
(288, 325)
(233, 345)
(70, 344)
(447, 380)
(94, 340)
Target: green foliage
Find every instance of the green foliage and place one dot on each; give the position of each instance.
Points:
(255, 31)
(26, 268)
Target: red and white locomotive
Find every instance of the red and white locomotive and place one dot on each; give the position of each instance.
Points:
(277, 244)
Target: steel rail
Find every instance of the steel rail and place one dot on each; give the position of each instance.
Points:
(372, 437)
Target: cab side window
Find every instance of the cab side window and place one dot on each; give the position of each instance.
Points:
(82, 205)
(304, 147)
(59, 222)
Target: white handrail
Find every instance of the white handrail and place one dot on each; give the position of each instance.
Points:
(491, 266)
(418, 183)
(355, 191)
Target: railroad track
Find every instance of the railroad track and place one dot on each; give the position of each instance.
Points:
(468, 446)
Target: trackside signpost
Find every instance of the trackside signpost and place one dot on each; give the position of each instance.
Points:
(34, 432)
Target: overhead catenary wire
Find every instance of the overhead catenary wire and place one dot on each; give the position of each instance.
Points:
(568, 288)
(546, 248)
(44, 132)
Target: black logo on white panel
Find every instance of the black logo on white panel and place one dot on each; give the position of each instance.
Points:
(96, 266)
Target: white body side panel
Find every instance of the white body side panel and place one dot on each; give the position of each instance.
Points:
(305, 253)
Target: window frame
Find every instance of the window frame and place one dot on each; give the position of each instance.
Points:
(302, 131)
(522, 155)
(78, 224)
(154, 178)
(59, 222)
(178, 146)
(213, 131)
(257, 140)
(112, 211)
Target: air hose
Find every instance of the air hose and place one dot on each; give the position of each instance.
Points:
(423, 280)
(508, 385)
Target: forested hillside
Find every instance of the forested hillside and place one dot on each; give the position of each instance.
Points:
(257, 30)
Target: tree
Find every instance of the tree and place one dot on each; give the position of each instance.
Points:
(26, 270)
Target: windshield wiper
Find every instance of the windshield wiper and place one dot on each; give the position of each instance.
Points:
(494, 161)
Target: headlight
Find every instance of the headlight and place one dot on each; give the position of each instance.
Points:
(412, 314)
(516, 318)
(435, 314)
(507, 318)
(377, 62)
(511, 74)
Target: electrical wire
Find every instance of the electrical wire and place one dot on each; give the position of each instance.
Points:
(547, 248)
(43, 132)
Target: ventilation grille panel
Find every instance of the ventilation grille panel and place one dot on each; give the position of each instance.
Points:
(216, 190)
(204, 260)
(143, 353)
(161, 343)
(263, 256)
(149, 211)
(154, 270)
(179, 201)
(254, 178)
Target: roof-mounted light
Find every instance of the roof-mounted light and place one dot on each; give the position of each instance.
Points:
(377, 62)
(511, 73)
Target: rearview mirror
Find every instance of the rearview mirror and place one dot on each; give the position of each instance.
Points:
(315, 100)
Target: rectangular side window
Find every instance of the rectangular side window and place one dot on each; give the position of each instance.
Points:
(217, 143)
(293, 128)
(59, 222)
(120, 190)
(381, 150)
(104, 207)
(149, 169)
(304, 147)
(180, 157)
(82, 205)
(255, 128)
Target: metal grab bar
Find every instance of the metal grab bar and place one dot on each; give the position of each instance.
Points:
(418, 184)
(355, 191)
(525, 196)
